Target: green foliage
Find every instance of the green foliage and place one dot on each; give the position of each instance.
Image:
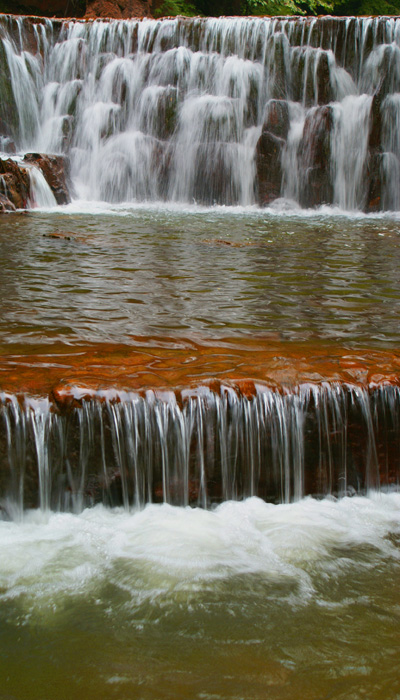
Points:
(173, 8)
(286, 7)
(366, 7)
(191, 8)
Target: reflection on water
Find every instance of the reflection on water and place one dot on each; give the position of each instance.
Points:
(214, 273)
(246, 601)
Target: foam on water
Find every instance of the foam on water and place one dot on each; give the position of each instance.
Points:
(278, 209)
(173, 551)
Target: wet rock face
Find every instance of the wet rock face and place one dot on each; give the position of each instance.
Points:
(15, 189)
(317, 187)
(374, 175)
(269, 151)
(56, 173)
(15, 184)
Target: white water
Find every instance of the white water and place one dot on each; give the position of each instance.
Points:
(135, 450)
(41, 196)
(172, 110)
(165, 552)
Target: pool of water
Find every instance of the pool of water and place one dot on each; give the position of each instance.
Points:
(108, 276)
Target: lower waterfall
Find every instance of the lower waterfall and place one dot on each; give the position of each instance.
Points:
(200, 447)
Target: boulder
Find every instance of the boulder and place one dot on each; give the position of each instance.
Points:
(56, 173)
(5, 204)
(14, 185)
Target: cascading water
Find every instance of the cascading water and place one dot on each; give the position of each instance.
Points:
(129, 449)
(181, 109)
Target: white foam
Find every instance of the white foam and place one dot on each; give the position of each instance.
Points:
(280, 208)
(163, 549)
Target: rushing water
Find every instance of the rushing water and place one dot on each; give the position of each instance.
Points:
(245, 601)
(173, 110)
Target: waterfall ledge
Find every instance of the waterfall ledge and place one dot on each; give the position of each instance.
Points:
(290, 428)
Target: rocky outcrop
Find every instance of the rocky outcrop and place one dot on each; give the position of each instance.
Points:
(15, 188)
(269, 151)
(56, 173)
(15, 183)
(388, 84)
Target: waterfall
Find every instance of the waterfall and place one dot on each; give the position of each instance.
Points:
(42, 196)
(198, 447)
(185, 109)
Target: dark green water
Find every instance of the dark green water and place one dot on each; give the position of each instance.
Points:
(248, 601)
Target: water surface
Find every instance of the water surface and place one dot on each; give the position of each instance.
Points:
(249, 601)
(207, 273)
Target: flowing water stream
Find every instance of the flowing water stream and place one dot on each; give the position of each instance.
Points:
(169, 352)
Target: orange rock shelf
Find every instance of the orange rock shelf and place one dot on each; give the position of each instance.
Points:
(176, 363)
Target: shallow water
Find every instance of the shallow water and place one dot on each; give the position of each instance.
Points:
(248, 600)
(78, 277)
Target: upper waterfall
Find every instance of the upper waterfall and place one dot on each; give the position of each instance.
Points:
(227, 111)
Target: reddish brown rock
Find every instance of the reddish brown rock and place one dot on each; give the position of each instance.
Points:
(6, 205)
(14, 184)
(56, 172)
(325, 92)
(121, 9)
